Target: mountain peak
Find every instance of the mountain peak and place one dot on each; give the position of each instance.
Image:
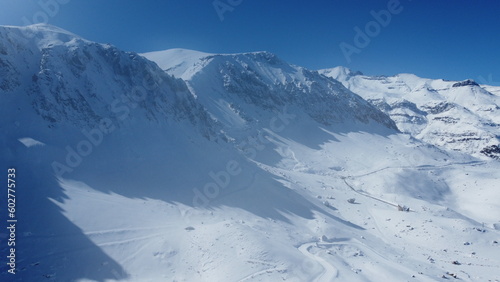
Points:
(261, 55)
(440, 112)
(31, 30)
(259, 82)
(339, 71)
(180, 62)
(69, 80)
(465, 83)
(39, 35)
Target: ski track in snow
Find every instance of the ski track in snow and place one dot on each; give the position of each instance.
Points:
(130, 240)
(368, 195)
(421, 167)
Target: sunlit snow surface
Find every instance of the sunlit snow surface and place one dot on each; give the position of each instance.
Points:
(245, 171)
(455, 115)
(28, 142)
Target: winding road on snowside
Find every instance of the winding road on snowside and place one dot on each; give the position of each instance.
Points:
(368, 195)
(378, 265)
(329, 273)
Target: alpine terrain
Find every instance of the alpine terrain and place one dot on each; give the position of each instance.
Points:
(456, 115)
(179, 165)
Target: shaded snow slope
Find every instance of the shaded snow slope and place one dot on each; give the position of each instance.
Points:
(68, 80)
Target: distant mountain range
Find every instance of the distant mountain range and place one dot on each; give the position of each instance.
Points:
(456, 115)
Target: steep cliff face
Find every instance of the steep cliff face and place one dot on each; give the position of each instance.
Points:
(66, 79)
(461, 116)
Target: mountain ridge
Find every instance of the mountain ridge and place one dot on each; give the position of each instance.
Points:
(262, 79)
(457, 115)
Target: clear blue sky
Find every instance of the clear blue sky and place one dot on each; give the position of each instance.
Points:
(453, 40)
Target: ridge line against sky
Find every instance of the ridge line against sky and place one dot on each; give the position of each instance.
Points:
(453, 40)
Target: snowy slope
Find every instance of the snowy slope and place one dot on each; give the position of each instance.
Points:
(456, 115)
(242, 171)
(492, 89)
(236, 87)
(68, 80)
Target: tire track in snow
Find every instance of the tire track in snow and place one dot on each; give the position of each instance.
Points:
(128, 240)
(385, 261)
(125, 230)
(262, 272)
(329, 273)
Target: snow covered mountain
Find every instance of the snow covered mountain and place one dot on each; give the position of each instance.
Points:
(230, 85)
(457, 115)
(239, 167)
(67, 79)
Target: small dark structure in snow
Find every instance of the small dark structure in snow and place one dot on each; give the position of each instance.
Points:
(351, 201)
(403, 208)
(452, 275)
